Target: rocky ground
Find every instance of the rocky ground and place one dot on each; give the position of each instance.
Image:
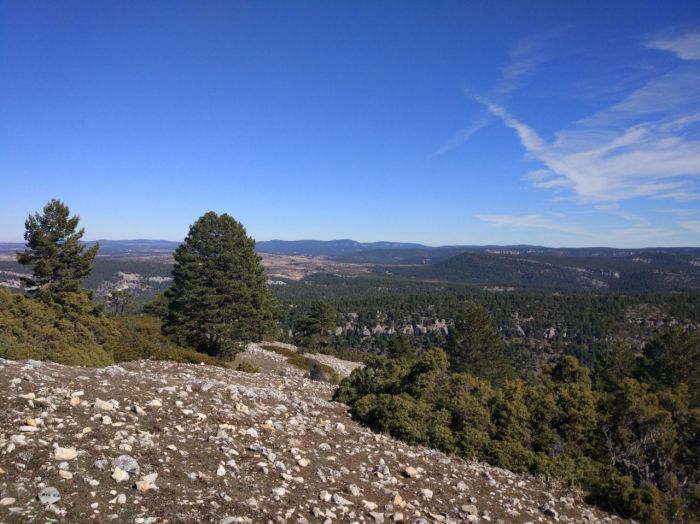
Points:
(272, 362)
(151, 442)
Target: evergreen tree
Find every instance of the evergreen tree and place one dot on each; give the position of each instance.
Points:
(120, 299)
(400, 347)
(314, 330)
(618, 361)
(59, 260)
(157, 307)
(219, 297)
(673, 358)
(474, 344)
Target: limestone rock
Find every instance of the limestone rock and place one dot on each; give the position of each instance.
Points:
(49, 495)
(65, 453)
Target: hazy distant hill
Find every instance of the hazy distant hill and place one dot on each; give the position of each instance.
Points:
(329, 248)
(113, 248)
(372, 252)
(643, 271)
(143, 265)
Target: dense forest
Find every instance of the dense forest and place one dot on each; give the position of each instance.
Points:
(535, 324)
(627, 429)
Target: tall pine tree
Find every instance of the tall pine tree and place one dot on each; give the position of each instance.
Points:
(219, 297)
(59, 260)
(314, 330)
(474, 344)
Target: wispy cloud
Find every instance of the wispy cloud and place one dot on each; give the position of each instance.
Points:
(614, 209)
(534, 221)
(684, 212)
(637, 236)
(685, 46)
(464, 134)
(524, 57)
(690, 225)
(645, 145)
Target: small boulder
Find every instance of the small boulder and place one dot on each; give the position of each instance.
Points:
(49, 495)
(426, 494)
(279, 492)
(410, 472)
(103, 405)
(147, 482)
(65, 453)
(127, 463)
(120, 475)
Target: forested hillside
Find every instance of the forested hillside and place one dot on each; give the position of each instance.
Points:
(642, 272)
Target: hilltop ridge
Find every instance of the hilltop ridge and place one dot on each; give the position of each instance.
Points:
(151, 442)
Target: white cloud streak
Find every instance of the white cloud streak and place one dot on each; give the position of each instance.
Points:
(533, 221)
(643, 146)
(691, 225)
(524, 57)
(685, 46)
(464, 134)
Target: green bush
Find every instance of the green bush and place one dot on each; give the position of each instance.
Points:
(139, 337)
(247, 367)
(72, 331)
(636, 449)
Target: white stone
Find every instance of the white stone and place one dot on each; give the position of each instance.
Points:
(49, 495)
(279, 492)
(65, 453)
(411, 472)
(426, 493)
(120, 475)
(103, 405)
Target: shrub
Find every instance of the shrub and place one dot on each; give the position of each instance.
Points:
(140, 337)
(71, 332)
(247, 367)
(634, 448)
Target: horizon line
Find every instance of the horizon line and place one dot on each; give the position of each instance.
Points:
(418, 244)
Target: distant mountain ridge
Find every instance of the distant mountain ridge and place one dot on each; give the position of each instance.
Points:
(372, 252)
(329, 247)
(145, 264)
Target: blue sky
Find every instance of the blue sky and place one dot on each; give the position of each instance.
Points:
(553, 123)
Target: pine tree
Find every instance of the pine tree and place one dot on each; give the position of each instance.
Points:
(59, 260)
(400, 347)
(120, 299)
(474, 344)
(672, 358)
(314, 330)
(219, 297)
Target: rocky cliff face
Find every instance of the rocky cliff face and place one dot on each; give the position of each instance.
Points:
(150, 442)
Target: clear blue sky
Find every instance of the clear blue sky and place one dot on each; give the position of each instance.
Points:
(555, 123)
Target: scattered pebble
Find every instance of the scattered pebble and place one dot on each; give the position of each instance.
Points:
(216, 445)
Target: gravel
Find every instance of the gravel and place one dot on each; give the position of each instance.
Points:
(195, 443)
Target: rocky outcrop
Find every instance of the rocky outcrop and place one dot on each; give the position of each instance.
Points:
(150, 442)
